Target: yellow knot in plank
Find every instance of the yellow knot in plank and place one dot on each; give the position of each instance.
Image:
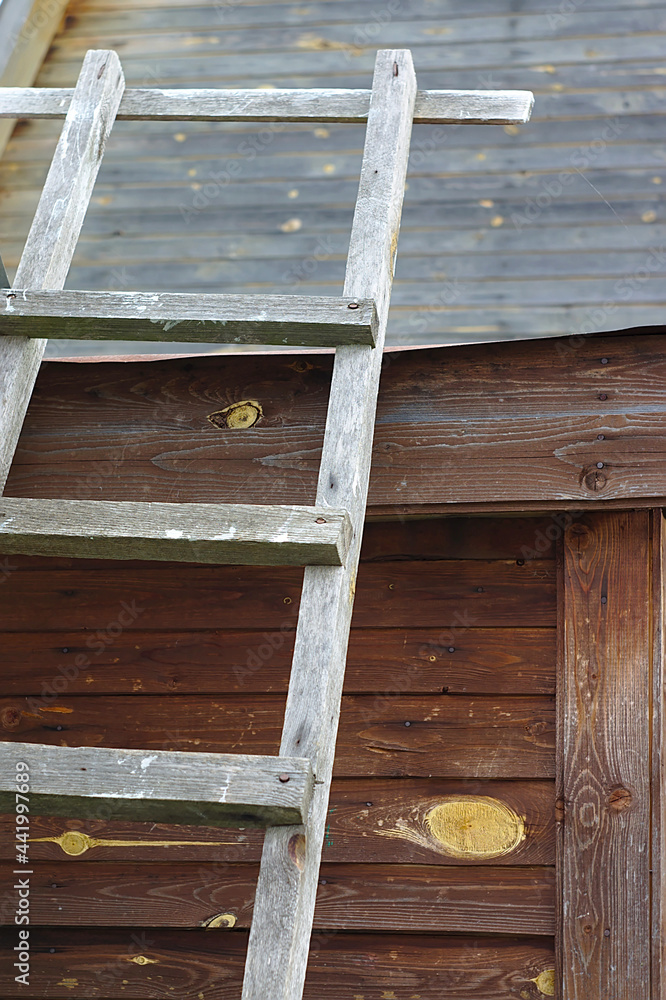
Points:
(142, 960)
(545, 982)
(475, 826)
(221, 920)
(74, 843)
(238, 416)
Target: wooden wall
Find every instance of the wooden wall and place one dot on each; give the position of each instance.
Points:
(554, 227)
(438, 875)
(578, 421)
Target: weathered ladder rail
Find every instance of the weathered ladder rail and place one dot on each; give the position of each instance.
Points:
(288, 793)
(285, 899)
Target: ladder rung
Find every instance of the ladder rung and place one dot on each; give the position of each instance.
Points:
(241, 534)
(496, 107)
(160, 786)
(305, 320)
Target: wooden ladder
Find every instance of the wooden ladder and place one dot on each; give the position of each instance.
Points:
(289, 793)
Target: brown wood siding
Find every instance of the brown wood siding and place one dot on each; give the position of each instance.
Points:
(522, 423)
(106, 965)
(449, 699)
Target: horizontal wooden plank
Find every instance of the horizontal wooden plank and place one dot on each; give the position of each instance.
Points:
(160, 37)
(106, 965)
(370, 821)
(383, 662)
(496, 253)
(229, 319)
(436, 192)
(532, 424)
(469, 212)
(338, 105)
(451, 737)
(208, 789)
(137, 141)
(194, 533)
(274, 256)
(417, 899)
(199, 257)
(323, 66)
(64, 595)
(266, 12)
(409, 539)
(418, 280)
(325, 218)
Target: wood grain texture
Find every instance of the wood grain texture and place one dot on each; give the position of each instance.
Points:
(416, 19)
(315, 321)
(382, 662)
(104, 966)
(525, 428)
(312, 105)
(265, 12)
(588, 71)
(390, 828)
(434, 539)
(424, 900)
(195, 533)
(412, 538)
(605, 934)
(452, 737)
(55, 229)
(209, 789)
(196, 69)
(658, 819)
(377, 821)
(64, 594)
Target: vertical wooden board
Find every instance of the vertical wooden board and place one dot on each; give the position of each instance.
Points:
(606, 706)
(658, 763)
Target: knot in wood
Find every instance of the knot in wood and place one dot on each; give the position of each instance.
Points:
(11, 717)
(578, 529)
(238, 416)
(620, 798)
(594, 480)
(297, 850)
(220, 920)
